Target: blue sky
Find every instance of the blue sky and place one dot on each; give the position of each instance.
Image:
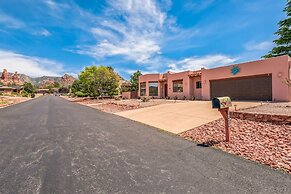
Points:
(47, 37)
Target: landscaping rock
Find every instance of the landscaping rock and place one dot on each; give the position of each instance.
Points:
(265, 143)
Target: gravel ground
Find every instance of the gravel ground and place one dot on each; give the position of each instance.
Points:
(272, 108)
(265, 143)
(7, 100)
(113, 106)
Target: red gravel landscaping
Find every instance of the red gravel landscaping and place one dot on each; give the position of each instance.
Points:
(112, 107)
(262, 142)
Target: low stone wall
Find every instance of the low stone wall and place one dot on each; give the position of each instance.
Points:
(276, 119)
(129, 95)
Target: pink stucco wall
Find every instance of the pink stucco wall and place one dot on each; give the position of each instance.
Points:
(186, 84)
(193, 90)
(148, 78)
(279, 67)
(189, 88)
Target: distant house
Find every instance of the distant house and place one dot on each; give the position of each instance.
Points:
(10, 89)
(43, 91)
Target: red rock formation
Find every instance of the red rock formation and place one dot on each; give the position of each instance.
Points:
(16, 79)
(5, 75)
(6, 78)
(46, 83)
(67, 80)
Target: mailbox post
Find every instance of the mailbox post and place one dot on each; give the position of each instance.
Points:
(223, 104)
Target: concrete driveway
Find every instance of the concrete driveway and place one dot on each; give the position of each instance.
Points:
(179, 117)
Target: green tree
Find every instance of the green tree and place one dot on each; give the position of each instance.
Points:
(56, 84)
(134, 80)
(76, 86)
(98, 81)
(29, 88)
(283, 46)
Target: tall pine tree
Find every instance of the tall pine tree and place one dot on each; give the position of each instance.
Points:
(283, 43)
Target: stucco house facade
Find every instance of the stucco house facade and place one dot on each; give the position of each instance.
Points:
(256, 80)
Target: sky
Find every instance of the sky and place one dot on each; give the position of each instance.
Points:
(53, 37)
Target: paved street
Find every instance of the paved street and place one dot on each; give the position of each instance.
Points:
(50, 145)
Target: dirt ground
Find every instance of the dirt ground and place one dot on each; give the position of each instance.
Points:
(265, 143)
(8, 100)
(272, 108)
(114, 106)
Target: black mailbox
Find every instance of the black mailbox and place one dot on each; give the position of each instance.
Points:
(221, 102)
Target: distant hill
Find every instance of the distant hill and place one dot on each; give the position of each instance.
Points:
(19, 79)
(65, 80)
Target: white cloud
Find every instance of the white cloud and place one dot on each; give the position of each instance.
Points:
(42, 32)
(131, 71)
(264, 46)
(135, 35)
(198, 5)
(28, 65)
(54, 5)
(196, 63)
(10, 22)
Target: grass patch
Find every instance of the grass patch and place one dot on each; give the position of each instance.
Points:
(3, 102)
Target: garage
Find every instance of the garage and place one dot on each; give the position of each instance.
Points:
(243, 88)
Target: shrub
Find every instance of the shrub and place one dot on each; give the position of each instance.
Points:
(73, 95)
(80, 94)
(193, 98)
(117, 97)
(24, 94)
(145, 98)
(32, 95)
(29, 88)
(14, 94)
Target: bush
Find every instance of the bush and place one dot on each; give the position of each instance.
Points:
(72, 95)
(145, 98)
(32, 95)
(14, 94)
(117, 97)
(80, 94)
(29, 88)
(193, 98)
(24, 94)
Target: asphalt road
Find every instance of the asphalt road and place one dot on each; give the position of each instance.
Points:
(50, 145)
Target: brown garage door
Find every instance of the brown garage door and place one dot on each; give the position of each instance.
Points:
(243, 88)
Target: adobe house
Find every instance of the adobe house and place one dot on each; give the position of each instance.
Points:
(9, 90)
(260, 80)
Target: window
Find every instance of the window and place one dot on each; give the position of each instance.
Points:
(178, 86)
(142, 87)
(153, 88)
(198, 85)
